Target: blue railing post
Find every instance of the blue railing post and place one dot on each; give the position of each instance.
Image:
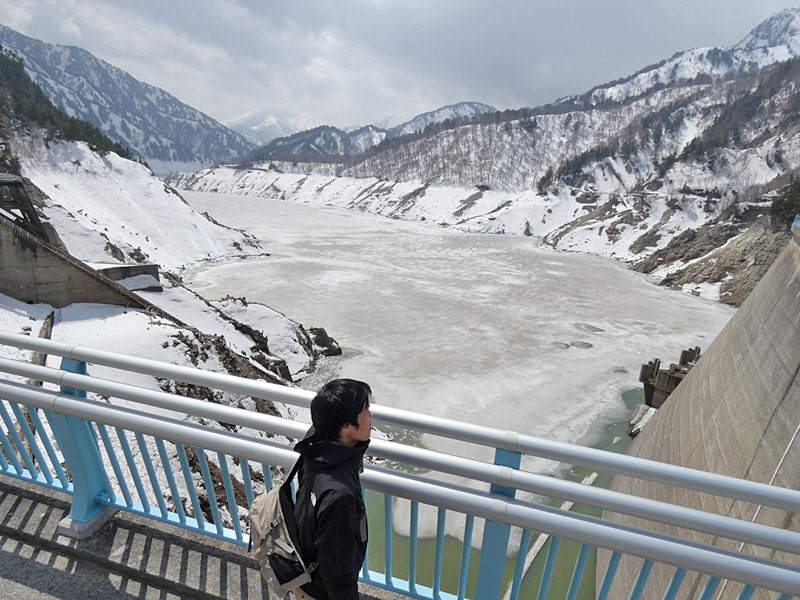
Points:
(495, 537)
(82, 455)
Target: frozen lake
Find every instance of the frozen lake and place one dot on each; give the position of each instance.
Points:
(488, 329)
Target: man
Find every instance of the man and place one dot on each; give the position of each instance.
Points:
(330, 512)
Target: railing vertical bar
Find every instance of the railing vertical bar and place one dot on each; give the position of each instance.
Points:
(549, 563)
(48, 447)
(577, 573)
(519, 569)
(466, 547)
(746, 593)
(107, 487)
(18, 442)
(248, 483)
(265, 471)
(387, 538)
(151, 473)
(190, 487)
(126, 450)
(608, 577)
(233, 508)
(212, 497)
(3, 461)
(641, 580)
(675, 584)
(365, 564)
(112, 457)
(173, 487)
(412, 547)
(34, 446)
(9, 448)
(437, 563)
(710, 588)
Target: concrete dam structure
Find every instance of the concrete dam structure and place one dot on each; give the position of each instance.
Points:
(736, 413)
(35, 271)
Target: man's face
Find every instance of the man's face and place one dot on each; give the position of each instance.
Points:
(352, 434)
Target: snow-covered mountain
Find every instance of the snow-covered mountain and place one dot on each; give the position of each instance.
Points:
(451, 111)
(775, 40)
(693, 144)
(320, 143)
(264, 126)
(155, 125)
(328, 141)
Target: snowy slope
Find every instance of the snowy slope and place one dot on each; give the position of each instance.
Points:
(108, 209)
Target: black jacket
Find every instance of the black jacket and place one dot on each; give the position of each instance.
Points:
(331, 516)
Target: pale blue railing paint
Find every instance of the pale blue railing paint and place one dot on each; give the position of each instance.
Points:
(608, 578)
(94, 488)
(577, 573)
(746, 593)
(674, 584)
(550, 563)
(387, 539)
(412, 546)
(710, 588)
(522, 552)
(641, 580)
(495, 536)
(438, 560)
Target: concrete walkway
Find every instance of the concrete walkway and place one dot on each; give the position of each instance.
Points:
(130, 557)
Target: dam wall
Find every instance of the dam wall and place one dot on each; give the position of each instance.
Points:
(736, 413)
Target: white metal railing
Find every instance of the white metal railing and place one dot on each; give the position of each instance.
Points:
(701, 481)
(653, 510)
(681, 553)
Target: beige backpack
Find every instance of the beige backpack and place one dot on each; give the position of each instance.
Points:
(273, 534)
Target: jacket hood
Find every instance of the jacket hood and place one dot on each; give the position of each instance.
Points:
(323, 454)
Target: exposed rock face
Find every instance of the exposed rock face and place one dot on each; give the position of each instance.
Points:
(323, 343)
(734, 250)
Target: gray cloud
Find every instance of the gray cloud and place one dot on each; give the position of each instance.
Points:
(360, 61)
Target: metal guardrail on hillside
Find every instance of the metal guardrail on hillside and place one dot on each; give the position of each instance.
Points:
(139, 458)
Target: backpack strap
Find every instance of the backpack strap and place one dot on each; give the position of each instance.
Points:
(293, 472)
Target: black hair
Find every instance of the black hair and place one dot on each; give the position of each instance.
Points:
(337, 405)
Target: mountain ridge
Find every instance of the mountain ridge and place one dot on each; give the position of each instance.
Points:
(329, 142)
(155, 125)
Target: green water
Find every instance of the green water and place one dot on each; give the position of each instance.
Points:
(614, 438)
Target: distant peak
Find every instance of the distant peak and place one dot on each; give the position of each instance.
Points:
(781, 28)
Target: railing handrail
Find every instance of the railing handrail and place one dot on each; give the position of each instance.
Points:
(701, 481)
(653, 510)
(747, 569)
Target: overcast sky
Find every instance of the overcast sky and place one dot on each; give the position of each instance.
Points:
(348, 62)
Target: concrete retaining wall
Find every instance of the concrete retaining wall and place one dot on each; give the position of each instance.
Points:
(735, 413)
(117, 272)
(32, 271)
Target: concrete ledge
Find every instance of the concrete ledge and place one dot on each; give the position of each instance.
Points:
(140, 552)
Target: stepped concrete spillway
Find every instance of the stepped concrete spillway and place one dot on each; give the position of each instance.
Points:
(737, 413)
